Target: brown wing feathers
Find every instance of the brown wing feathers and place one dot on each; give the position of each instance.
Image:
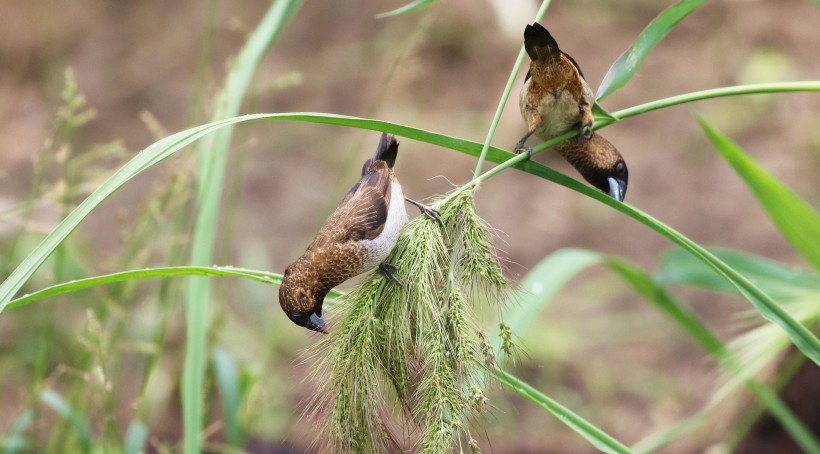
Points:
(363, 211)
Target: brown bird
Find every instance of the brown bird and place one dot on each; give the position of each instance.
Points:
(556, 99)
(357, 237)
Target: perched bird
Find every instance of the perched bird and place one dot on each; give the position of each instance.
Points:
(357, 237)
(556, 99)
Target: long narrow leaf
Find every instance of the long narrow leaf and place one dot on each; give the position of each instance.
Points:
(799, 335)
(212, 160)
(227, 380)
(80, 427)
(540, 286)
(779, 281)
(173, 143)
(415, 5)
(597, 437)
(625, 66)
(797, 220)
(136, 438)
(148, 273)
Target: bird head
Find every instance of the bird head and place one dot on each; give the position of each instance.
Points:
(599, 162)
(311, 321)
(302, 306)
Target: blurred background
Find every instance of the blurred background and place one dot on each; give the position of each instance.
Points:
(150, 68)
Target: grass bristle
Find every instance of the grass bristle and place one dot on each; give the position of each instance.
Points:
(412, 353)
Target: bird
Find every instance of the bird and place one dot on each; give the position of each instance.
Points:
(556, 99)
(357, 237)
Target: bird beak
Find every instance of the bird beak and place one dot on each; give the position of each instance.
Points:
(316, 323)
(617, 188)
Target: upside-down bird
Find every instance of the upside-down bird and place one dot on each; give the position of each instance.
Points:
(556, 99)
(357, 237)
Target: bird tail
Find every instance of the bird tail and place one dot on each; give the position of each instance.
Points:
(540, 45)
(387, 151)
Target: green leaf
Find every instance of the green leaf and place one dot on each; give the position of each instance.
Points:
(602, 114)
(230, 390)
(779, 281)
(212, 160)
(801, 337)
(540, 286)
(415, 5)
(16, 441)
(797, 220)
(625, 66)
(597, 437)
(136, 438)
(680, 314)
(80, 427)
(148, 273)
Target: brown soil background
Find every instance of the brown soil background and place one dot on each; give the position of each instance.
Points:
(598, 348)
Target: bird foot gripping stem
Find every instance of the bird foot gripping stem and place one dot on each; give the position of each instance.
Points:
(426, 210)
(387, 269)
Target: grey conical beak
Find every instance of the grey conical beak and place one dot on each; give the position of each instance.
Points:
(316, 323)
(617, 188)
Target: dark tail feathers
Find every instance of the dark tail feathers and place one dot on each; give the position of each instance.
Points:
(387, 151)
(539, 43)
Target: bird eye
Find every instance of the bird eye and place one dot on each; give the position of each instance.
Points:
(620, 168)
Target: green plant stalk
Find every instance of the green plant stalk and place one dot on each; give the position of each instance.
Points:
(507, 89)
(600, 439)
(211, 166)
(751, 89)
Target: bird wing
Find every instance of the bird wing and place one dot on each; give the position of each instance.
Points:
(574, 63)
(362, 213)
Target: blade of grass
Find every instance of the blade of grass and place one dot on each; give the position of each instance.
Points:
(597, 437)
(166, 147)
(539, 287)
(16, 441)
(80, 427)
(212, 153)
(797, 220)
(149, 273)
(136, 438)
(679, 267)
(658, 440)
(227, 380)
(625, 66)
(415, 5)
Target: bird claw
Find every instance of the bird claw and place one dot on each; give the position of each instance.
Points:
(585, 133)
(387, 269)
(427, 211)
(521, 148)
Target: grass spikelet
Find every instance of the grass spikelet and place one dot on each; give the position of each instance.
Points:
(476, 257)
(413, 350)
